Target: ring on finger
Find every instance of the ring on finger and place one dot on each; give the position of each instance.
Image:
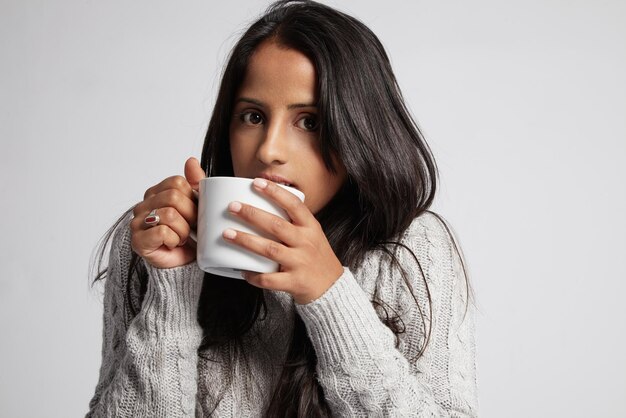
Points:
(152, 219)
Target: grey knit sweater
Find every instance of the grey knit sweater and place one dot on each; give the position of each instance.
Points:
(151, 366)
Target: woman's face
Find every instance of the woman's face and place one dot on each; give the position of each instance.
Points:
(273, 130)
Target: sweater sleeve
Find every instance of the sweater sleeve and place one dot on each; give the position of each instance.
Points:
(149, 361)
(361, 371)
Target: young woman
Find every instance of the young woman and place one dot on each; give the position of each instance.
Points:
(369, 314)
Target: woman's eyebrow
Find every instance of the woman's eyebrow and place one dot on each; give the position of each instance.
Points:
(248, 100)
(261, 104)
(299, 105)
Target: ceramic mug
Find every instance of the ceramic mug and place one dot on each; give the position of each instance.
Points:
(214, 254)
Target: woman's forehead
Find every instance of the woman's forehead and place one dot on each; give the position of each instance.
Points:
(277, 72)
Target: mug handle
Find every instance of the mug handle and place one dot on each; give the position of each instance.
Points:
(192, 233)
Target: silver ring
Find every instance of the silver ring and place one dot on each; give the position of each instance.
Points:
(152, 219)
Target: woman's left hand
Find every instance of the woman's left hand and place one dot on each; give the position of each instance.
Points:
(308, 265)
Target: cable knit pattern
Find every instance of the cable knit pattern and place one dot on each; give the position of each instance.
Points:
(151, 366)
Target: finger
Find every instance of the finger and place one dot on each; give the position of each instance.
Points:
(258, 245)
(173, 198)
(173, 182)
(168, 216)
(276, 226)
(273, 281)
(295, 208)
(194, 172)
(145, 242)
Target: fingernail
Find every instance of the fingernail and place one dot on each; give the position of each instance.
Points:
(183, 242)
(234, 207)
(260, 183)
(229, 233)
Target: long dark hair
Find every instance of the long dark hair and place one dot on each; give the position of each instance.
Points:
(391, 179)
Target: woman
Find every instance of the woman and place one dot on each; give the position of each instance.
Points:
(369, 314)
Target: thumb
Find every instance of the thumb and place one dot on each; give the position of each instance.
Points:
(194, 172)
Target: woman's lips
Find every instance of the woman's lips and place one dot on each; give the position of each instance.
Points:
(278, 179)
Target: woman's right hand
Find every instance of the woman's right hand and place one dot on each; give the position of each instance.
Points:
(167, 244)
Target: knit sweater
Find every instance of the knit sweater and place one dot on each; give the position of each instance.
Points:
(151, 365)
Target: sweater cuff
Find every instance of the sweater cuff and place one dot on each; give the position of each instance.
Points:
(343, 325)
(170, 306)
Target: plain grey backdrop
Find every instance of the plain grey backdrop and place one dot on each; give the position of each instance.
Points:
(523, 104)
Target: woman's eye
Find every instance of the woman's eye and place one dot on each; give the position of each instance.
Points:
(308, 123)
(253, 118)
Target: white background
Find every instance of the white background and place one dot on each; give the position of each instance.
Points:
(523, 104)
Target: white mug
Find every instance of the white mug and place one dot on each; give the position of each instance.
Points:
(214, 254)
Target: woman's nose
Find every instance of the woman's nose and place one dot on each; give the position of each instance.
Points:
(273, 146)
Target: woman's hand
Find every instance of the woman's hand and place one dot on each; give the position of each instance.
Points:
(308, 265)
(166, 245)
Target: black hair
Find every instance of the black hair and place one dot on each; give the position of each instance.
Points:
(391, 178)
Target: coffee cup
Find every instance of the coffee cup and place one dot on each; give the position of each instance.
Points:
(214, 254)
